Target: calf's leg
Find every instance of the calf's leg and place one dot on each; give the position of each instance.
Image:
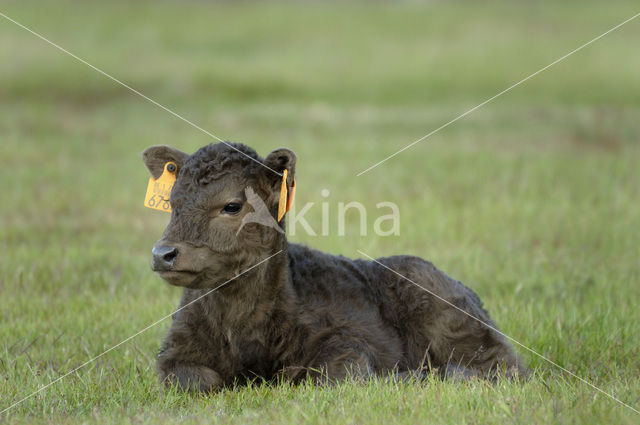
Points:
(443, 317)
(192, 378)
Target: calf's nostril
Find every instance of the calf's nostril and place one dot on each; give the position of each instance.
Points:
(170, 256)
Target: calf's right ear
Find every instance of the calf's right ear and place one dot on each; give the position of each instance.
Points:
(155, 157)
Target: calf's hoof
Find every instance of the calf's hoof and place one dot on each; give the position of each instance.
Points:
(193, 379)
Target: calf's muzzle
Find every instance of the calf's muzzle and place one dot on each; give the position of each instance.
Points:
(164, 257)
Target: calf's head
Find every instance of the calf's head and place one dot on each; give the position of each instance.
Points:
(224, 209)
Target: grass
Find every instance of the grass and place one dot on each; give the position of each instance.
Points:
(533, 200)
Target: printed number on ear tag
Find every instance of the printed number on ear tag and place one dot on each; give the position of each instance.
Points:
(158, 190)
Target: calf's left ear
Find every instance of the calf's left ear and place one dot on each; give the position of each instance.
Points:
(281, 159)
(155, 157)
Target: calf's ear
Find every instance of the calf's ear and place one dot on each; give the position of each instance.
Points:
(155, 157)
(281, 159)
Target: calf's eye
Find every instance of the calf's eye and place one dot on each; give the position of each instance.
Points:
(232, 208)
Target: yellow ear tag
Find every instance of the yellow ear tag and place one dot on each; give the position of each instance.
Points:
(158, 190)
(292, 194)
(286, 198)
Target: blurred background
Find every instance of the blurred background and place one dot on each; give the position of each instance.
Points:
(532, 200)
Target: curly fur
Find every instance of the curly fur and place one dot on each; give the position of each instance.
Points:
(303, 313)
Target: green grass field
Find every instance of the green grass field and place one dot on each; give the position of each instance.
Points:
(533, 200)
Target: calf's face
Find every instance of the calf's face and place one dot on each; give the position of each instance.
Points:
(224, 206)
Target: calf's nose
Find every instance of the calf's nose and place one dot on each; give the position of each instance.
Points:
(163, 257)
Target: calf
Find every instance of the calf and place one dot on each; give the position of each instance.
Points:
(286, 310)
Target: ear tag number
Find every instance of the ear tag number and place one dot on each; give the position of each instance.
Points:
(286, 197)
(158, 190)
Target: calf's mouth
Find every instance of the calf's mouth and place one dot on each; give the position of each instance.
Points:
(179, 278)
